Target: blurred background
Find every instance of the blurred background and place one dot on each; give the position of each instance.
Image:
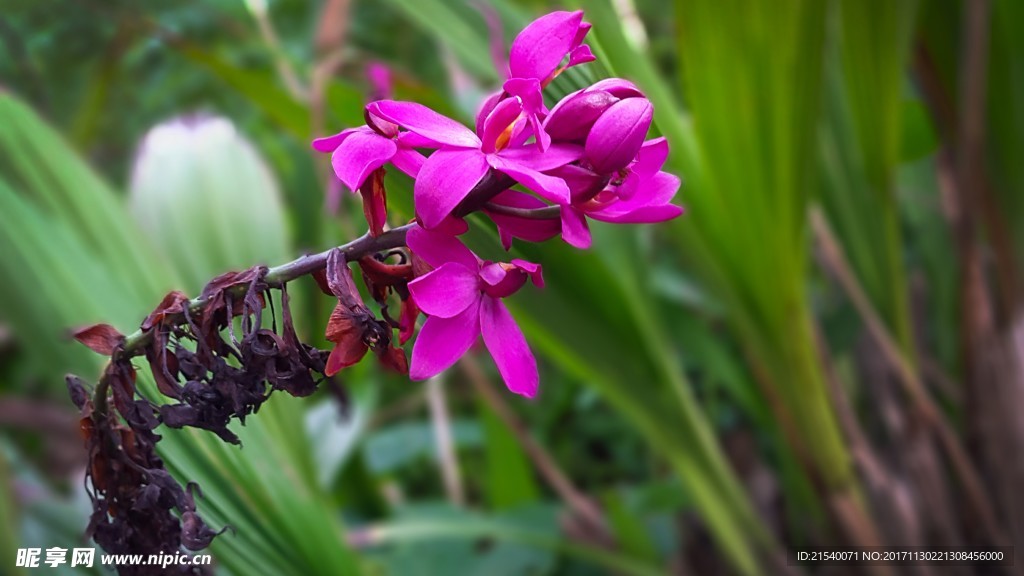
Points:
(825, 349)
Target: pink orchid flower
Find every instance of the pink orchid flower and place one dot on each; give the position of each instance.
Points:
(539, 50)
(537, 56)
(610, 118)
(462, 299)
(465, 157)
(640, 193)
(357, 152)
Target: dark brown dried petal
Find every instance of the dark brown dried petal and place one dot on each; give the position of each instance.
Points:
(195, 534)
(121, 379)
(339, 280)
(76, 389)
(173, 303)
(394, 358)
(231, 279)
(164, 365)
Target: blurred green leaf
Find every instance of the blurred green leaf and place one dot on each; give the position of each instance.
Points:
(259, 87)
(752, 77)
(862, 140)
(8, 514)
(509, 480)
(458, 27)
(449, 538)
(630, 532)
(917, 135)
(395, 446)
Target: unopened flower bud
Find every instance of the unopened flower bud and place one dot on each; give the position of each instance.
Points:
(610, 118)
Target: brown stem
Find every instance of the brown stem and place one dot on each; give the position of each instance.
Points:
(442, 425)
(492, 184)
(834, 258)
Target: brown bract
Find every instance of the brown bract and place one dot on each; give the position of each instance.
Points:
(352, 327)
(100, 338)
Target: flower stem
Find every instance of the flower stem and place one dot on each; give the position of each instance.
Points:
(135, 343)
(546, 213)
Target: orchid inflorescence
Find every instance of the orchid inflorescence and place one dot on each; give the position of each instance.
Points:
(534, 172)
(586, 157)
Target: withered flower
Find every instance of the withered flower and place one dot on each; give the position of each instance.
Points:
(352, 327)
(133, 496)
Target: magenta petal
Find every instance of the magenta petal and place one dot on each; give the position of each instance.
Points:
(554, 189)
(501, 280)
(528, 229)
(617, 87)
(539, 49)
(425, 122)
(408, 161)
(535, 271)
(446, 290)
(444, 180)
(572, 117)
(452, 226)
(556, 155)
(518, 199)
(436, 248)
(493, 273)
(508, 347)
(641, 215)
(575, 230)
(442, 341)
(654, 191)
(543, 139)
(506, 238)
(618, 134)
(652, 156)
(581, 33)
(581, 55)
(649, 160)
(359, 154)
(485, 110)
(504, 114)
(330, 143)
(528, 92)
(408, 139)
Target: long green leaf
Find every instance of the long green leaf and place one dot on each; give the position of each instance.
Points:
(64, 272)
(752, 78)
(860, 146)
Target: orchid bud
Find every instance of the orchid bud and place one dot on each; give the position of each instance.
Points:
(572, 118)
(610, 118)
(618, 134)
